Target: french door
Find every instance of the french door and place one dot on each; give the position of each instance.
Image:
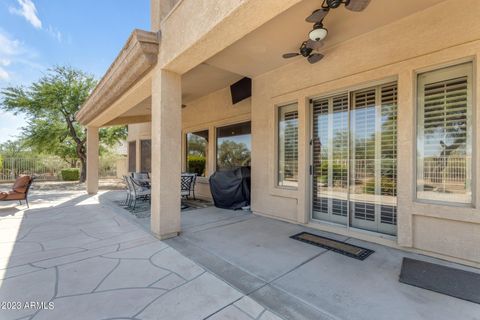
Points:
(354, 159)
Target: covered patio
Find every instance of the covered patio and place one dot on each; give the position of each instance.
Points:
(357, 116)
(84, 253)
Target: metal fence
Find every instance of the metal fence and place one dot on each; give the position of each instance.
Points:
(48, 168)
(42, 168)
(445, 170)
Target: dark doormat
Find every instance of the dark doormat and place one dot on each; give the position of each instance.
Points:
(450, 281)
(346, 249)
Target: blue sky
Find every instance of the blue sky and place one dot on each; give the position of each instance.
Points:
(38, 34)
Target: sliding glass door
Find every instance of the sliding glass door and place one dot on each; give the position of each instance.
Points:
(330, 159)
(354, 159)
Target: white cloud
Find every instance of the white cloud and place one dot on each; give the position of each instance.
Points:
(4, 75)
(28, 11)
(55, 33)
(14, 55)
(9, 48)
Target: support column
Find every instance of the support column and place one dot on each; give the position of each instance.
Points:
(166, 153)
(92, 160)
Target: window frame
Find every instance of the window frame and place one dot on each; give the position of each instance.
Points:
(469, 64)
(294, 106)
(142, 155)
(134, 143)
(229, 124)
(207, 150)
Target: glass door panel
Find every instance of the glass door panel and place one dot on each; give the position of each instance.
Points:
(330, 159)
(373, 162)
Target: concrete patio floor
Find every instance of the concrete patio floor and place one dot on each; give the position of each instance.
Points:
(94, 260)
(89, 262)
(295, 280)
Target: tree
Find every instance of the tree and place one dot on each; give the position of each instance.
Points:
(232, 155)
(50, 105)
(13, 149)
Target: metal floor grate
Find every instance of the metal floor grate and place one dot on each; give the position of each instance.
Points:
(346, 249)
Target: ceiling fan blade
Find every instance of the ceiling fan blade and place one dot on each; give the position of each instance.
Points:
(357, 5)
(315, 45)
(290, 55)
(317, 15)
(314, 58)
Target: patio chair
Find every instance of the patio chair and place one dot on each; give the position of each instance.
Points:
(188, 185)
(137, 191)
(20, 190)
(128, 192)
(141, 176)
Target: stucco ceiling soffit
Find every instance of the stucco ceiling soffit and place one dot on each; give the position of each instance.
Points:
(138, 56)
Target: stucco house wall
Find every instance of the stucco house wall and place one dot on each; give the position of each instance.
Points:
(439, 36)
(427, 40)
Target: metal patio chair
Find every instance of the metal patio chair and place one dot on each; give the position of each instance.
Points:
(137, 192)
(188, 184)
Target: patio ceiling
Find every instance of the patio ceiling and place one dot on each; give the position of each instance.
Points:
(261, 51)
(198, 82)
(126, 87)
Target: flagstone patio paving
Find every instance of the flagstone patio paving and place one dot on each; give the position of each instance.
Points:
(92, 263)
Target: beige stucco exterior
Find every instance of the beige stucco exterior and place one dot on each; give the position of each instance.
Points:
(438, 35)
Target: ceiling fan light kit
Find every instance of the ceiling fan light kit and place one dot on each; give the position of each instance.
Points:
(319, 32)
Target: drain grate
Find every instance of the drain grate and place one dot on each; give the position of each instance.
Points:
(346, 249)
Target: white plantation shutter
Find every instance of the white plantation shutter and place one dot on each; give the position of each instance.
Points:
(444, 135)
(288, 146)
(330, 158)
(363, 145)
(320, 152)
(374, 158)
(388, 170)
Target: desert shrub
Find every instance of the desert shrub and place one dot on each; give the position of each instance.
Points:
(70, 174)
(196, 164)
(387, 187)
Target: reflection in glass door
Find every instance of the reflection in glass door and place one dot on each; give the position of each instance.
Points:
(354, 159)
(330, 159)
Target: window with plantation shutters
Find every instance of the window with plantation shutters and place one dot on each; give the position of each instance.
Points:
(288, 146)
(444, 143)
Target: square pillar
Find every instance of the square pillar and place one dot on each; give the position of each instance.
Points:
(166, 153)
(92, 160)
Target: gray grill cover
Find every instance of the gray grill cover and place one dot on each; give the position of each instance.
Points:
(231, 189)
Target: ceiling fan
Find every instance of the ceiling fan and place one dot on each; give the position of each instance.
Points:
(319, 32)
(306, 50)
(352, 5)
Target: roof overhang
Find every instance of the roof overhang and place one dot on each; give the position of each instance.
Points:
(138, 56)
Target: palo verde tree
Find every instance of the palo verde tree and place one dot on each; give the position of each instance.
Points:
(50, 105)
